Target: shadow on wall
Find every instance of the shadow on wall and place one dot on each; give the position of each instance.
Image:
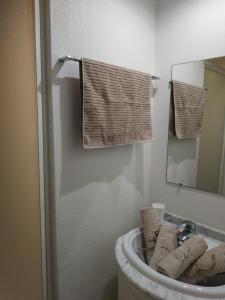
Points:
(80, 166)
(108, 292)
(110, 286)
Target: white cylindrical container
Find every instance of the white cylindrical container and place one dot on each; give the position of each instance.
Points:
(161, 208)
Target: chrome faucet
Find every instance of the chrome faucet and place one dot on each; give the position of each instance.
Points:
(186, 230)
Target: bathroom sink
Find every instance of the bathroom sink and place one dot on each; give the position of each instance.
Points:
(152, 285)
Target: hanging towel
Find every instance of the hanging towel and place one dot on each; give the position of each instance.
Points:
(188, 101)
(116, 105)
(172, 131)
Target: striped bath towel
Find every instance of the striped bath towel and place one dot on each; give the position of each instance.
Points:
(187, 109)
(172, 131)
(116, 105)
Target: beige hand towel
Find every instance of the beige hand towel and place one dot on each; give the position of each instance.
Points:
(211, 263)
(116, 105)
(167, 241)
(172, 131)
(188, 104)
(151, 224)
(174, 264)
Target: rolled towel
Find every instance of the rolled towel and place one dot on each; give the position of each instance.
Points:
(211, 263)
(174, 264)
(167, 241)
(151, 224)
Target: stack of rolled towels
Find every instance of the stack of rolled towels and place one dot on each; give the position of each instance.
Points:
(190, 262)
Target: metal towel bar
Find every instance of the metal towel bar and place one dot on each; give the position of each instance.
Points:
(68, 57)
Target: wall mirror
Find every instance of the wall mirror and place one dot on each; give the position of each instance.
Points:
(196, 142)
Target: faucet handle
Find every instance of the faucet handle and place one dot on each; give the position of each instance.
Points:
(186, 230)
(187, 226)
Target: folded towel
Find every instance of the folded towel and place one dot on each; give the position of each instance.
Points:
(174, 264)
(211, 263)
(116, 105)
(151, 224)
(188, 102)
(167, 241)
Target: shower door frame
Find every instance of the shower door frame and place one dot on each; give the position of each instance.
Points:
(43, 187)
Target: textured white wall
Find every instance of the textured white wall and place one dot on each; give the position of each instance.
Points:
(187, 30)
(98, 193)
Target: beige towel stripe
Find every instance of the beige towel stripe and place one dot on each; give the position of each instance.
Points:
(116, 105)
(174, 264)
(171, 115)
(211, 263)
(151, 225)
(167, 241)
(188, 109)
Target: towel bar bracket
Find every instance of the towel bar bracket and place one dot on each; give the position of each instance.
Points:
(171, 82)
(69, 57)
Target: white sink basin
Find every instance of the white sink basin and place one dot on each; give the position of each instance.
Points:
(211, 243)
(148, 283)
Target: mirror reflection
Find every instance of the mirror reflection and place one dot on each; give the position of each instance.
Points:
(196, 142)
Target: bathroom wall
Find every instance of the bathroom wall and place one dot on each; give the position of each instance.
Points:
(98, 193)
(183, 154)
(186, 31)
